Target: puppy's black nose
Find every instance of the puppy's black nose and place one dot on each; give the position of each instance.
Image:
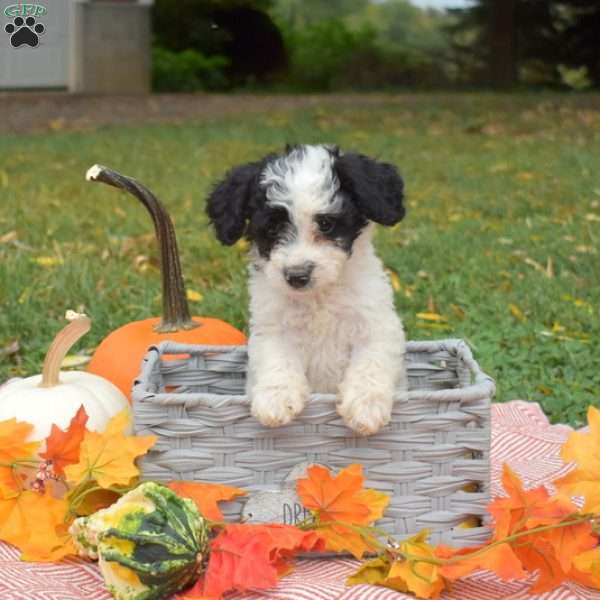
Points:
(299, 277)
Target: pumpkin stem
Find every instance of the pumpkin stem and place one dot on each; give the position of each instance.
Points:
(61, 344)
(176, 312)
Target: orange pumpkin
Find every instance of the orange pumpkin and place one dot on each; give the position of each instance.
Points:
(119, 356)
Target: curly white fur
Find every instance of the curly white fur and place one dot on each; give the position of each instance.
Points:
(341, 334)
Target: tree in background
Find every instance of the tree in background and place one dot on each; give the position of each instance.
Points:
(579, 29)
(504, 41)
(240, 33)
(363, 44)
(297, 14)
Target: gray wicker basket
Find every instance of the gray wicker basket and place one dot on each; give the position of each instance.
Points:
(433, 457)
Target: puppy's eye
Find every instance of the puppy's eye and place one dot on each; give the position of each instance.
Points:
(325, 224)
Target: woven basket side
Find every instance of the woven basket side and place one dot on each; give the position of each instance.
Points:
(433, 458)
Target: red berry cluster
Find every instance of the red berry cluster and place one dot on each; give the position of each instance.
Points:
(45, 472)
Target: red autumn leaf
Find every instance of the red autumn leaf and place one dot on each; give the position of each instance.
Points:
(197, 592)
(206, 496)
(245, 557)
(62, 447)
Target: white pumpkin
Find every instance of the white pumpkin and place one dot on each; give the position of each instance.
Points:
(54, 397)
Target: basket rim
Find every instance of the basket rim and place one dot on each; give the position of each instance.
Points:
(482, 386)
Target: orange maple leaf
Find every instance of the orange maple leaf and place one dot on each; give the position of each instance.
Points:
(206, 496)
(340, 504)
(62, 447)
(35, 523)
(549, 552)
(13, 447)
(109, 457)
(584, 450)
(340, 498)
(500, 559)
(520, 508)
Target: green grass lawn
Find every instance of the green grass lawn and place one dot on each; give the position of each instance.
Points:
(501, 238)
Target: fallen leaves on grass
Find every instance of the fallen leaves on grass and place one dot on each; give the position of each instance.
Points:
(431, 316)
(47, 261)
(517, 313)
(194, 296)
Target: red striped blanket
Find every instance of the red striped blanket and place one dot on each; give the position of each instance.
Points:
(521, 436)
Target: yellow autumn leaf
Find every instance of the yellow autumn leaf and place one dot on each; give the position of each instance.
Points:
(431, 316)
(13, 447)
(421, 578)
(194, 296)
(588, 563)
(35, 523)
(57, 124)
(376, 502)
(525, 176)
(584, 450)
(394, 279)
(375, 572)
(517, 313)
(70, 361)
(109, 457)
(47, 261)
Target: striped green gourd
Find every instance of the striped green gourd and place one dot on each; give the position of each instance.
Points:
(150, 543)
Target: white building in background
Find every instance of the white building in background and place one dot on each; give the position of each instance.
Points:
(87, 46)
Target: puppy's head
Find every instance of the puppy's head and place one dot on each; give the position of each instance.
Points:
(304, 210)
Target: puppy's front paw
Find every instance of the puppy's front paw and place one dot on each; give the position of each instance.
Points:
(276, 406)
(366, 412)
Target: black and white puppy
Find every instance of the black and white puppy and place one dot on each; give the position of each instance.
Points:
(322, 311)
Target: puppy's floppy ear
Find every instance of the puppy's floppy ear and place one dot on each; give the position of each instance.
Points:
(375, 188)
(228, 206)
